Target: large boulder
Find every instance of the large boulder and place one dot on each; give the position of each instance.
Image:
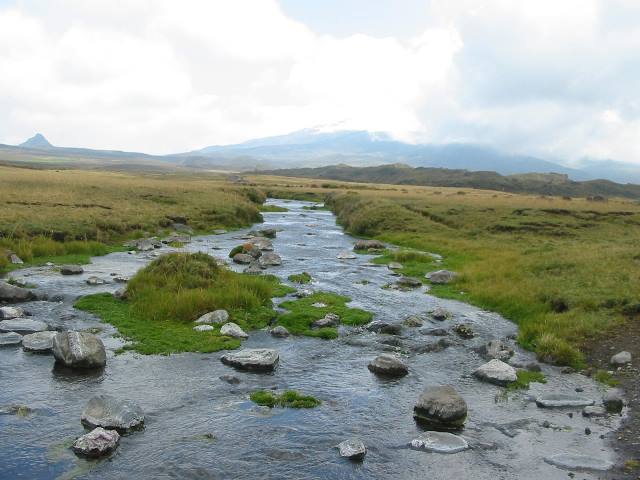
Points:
(79, 350)
(216, 317)
(11, 338)
(441, 408)
(497, 372)
(256, 359)
(112, 413)
(23, 326)
(380, 326)
(39, 342)
(71, 270)
(243, 258)
(270, 259)
(233, 330)
(369, 244)
(8, 313)
(440, 442)
(388, 365)
(620, 359)
(353, 449)
(441, 277)
(97, 443)
(12, 294)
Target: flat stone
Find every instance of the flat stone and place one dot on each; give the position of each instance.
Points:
(71, 270)
(394, 266)
(409, 282)
(233, 330)
(97, 443)
(11, 338)
(388, 365)
(280, 332)
(440, 442)
(496, 372)
(346, 255)
(594, 411)
(216, 317)
(23, 326)
(560, 400)
(441, 407)
(621, 358)
(441, 277)
(353, 449)
(39, 342)
(256, 359)
(112, 413)
(8, 313)
(203, 328)
(572, 461)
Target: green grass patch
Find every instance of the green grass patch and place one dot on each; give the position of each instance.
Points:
(414, 263)
(273, 208)
(301, 278)
(525, 377)
(302, 314)
(315, 207)
(287, 399)
(606, 378)
(171, 292)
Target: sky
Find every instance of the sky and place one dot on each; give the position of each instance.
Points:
(554, 78)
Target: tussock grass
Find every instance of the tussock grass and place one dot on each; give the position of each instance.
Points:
(166, 296)
(414, 263)
(301, 278)
(525, 378)
(302, 314)
(288, 398)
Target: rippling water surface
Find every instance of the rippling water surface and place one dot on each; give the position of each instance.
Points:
(185, 400)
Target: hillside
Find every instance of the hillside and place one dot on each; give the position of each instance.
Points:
(536, 183)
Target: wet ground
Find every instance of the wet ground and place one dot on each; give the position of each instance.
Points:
(200, 427)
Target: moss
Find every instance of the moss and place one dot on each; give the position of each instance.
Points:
(288, 399)
(236, 250)
(525, 377)
(301, 278)
(273, 208)
(606, 378)
(301, 315)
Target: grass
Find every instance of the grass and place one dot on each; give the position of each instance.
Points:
(288, 398)
(170, 293)
(525, 377)
(301, 278)
(302, 314)
(48, 214)
(414, 263)
(606, 378)
(273, 208)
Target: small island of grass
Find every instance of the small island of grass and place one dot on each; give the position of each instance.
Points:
(287, 399)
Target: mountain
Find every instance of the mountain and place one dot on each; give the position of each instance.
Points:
(314, 148)
(37, 141)
(399, 174)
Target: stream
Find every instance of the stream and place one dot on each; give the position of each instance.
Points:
(200, 427)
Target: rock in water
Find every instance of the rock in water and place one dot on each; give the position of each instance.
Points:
(97, 443)
(112, 413)
(409, 282)
(270, 259)
(388, 365)
(613, 401)
(39, 342)
(233, 330)
(496, 372)
(412, 321)
(620, 359)
(571, 461)
(440, 442)
(79, 350)
(440, 314)
(8, 313)
(23, 326)
(11, 338)
(217, 316)
(280, 332)
(256, 359)
(353, 449)
(11, 293)
(560, 400)
(441, 407)
(71, 270)
(498, 349)
(441, 277)
(367, 244)
(95, 281)
(242, 258)
(346, 256)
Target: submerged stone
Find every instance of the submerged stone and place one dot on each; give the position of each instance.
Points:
(560, 400)
(11, 338)
(572, 461)
(440, 442)
(112, 413)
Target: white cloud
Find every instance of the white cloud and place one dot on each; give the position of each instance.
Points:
(549, 77)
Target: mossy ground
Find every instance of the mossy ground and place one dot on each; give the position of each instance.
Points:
(273, 208)
(525, 377)
(302, 314)
(301, 278)
(414, 263)
(171, 292)
(287, 399)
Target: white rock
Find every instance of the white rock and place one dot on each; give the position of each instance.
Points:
(7, 313)
(23, 326)
(39, 342)
(621, 358)
(571, 461)
(233, 330)
(353, 449)
(217, 316)
(496, 372)
(258, 359)
(203, 328)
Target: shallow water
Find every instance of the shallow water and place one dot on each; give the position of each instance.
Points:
(184, 399)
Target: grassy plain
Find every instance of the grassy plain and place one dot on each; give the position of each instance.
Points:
(75, 214)
(567, 270)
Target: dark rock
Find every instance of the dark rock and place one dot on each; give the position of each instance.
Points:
(440, 442)
(231, 379)
(498, 349)
(440, 314)
(441, 408)
(464, 331)
(112, 413)
(39, 342)
(388, 365)
(412, 321)
(71, 270)
(441, 277)
(496, 372)
(12, 294)
(409, 282)
(614, 401)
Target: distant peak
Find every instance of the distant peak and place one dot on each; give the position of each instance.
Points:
(37, 141)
